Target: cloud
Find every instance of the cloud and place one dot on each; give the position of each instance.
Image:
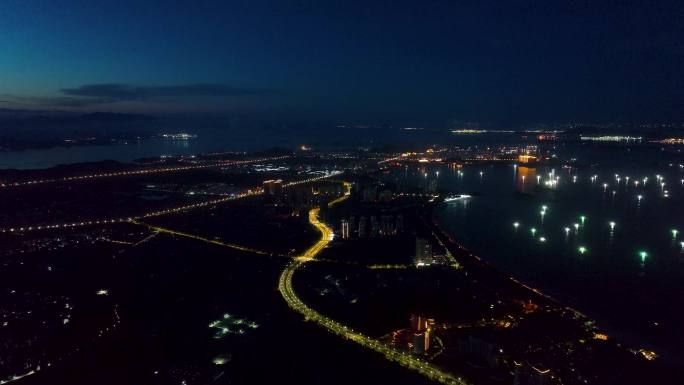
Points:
(122, 92)
(89, 95)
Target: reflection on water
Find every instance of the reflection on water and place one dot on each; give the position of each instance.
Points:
(614, 251)
(525, 177)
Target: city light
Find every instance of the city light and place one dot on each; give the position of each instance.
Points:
(674, 233)
(542, 239)
(582, 249)
(533, 230)
(139, 172)
(643, 255)
(576, 226)
(582, 218)
(173, 210)
(612, 225)
(567, 230)
(287, 291)
(516, 224)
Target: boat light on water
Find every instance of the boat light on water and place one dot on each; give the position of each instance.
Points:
(456, 197)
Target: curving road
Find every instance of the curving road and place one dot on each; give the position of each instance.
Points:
(287, 291)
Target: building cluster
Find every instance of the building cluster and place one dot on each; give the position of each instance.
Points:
(301, 198)
(481, 350)
(373, 226)
(375, 193)
(273, 186)
(526, 374)
(422, 332)
(426, 255)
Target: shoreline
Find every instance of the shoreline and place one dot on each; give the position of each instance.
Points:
(601, 323)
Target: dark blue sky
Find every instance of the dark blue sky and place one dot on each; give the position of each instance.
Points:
(422, 62)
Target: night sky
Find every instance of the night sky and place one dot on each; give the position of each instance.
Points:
(422, 62)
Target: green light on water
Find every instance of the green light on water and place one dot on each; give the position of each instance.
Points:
(583, 218)
(643, 255)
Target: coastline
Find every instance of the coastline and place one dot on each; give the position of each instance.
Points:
(472, 260)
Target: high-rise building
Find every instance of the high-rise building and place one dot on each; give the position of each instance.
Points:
(374, 226)
(423, 251)
(370, 194)
(344, 229)
(420, 342)
(387, 225)
(273, 186)
(363, 231)
(430, 324)
(417, 323)
(399, 223)
(540, 375)
(525, 374)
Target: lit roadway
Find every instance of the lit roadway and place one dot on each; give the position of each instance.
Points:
(138, 172)
(246, 249)
(285, 287)
(173, 210)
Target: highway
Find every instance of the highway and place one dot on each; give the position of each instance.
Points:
(137, 172)
(173, 210)
(246, 249)
(287, 291)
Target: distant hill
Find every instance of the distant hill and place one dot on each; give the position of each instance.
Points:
(22, 129)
